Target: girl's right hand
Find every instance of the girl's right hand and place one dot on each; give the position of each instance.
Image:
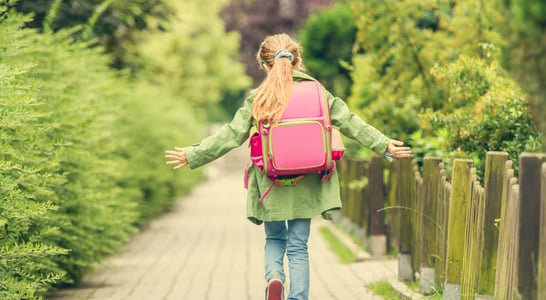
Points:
(179, 157)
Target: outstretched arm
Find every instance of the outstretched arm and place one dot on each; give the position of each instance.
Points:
(230, 136)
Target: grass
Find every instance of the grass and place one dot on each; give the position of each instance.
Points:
(414, 286)
(387, 292)
(345, 254)
(383, 289)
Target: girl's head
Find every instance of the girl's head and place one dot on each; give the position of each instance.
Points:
(278, 55)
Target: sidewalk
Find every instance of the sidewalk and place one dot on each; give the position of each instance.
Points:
(205, 248)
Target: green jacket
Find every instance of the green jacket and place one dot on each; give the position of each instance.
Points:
(310, 197)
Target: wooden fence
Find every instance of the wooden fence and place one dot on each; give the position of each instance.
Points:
(471, 241)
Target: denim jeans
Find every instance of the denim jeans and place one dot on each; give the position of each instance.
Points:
(288, 237)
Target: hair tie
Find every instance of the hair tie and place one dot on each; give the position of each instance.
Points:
(284, 53)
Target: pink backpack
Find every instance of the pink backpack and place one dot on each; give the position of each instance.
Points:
(302, 141)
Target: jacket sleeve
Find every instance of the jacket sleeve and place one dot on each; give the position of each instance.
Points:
(352, 126)
(230, 136)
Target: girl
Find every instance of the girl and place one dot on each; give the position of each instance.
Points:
(287, 211)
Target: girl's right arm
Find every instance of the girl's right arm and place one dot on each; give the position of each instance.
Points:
(230, 136)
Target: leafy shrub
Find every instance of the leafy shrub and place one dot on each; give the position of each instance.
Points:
(327, 38)
(398, 42)
(81, 165)
(485, 111)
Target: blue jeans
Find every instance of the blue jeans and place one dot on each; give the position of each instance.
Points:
(288, 237)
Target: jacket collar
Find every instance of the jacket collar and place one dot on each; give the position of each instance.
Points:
(299, 75)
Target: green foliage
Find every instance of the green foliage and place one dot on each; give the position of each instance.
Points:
(430, 75)
(115, 24)
(487, 111)
(26, 198)
(523, 27)
(327, 38)
(194, 56)
(402, 41)
(81, 165)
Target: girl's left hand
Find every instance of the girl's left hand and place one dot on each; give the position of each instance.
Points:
(179, 157)
(395, 148)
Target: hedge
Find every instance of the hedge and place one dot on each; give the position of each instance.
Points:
(81, 160)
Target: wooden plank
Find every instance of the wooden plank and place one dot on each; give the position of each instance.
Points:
(342, 167)
(513, 253)
(361, 208)
(431, 186)
(416, 205)
(529, 180)
(501, 276)
(358, 191)
(406, 270)
(376, 196)
(351, 192)
(406, 214)
(441, 232)
(460, 197)
(393, 213)
(542, 239)
(494, 186)
(473, 239)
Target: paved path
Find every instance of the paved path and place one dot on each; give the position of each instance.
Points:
(205, 248)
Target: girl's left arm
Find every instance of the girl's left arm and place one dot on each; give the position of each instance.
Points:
(352, 126)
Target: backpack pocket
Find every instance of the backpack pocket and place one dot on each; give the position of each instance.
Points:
(338, 148)
(256, 150)
(298, 145)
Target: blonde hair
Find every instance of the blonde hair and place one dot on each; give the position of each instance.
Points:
(273, 94)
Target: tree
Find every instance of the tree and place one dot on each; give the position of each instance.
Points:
(114, 23)
(402, 41)
(193, 56)
(327, 38)
(524, 26)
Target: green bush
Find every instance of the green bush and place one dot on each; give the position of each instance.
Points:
(487, 111)
(522, 24)
(81, 165)
(327, 38)
(402, 41)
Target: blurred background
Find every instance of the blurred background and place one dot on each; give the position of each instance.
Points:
(94, 91)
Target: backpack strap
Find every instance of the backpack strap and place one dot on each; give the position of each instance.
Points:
(280, 182)
(265, 193)
(328, 173)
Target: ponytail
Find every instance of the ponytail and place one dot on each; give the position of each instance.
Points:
(278, 54)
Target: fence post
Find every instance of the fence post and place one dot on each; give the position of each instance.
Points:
(405, 270)
(542, 240)
(431, 186)
(342, 166)
(393, 215)
(460, 197)
(505, 277)
(494, 182)
(376, 193)
(473, 241)
(360, 191)
(351, 190)
(442, 215)
(529, 181)
(417, 206)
